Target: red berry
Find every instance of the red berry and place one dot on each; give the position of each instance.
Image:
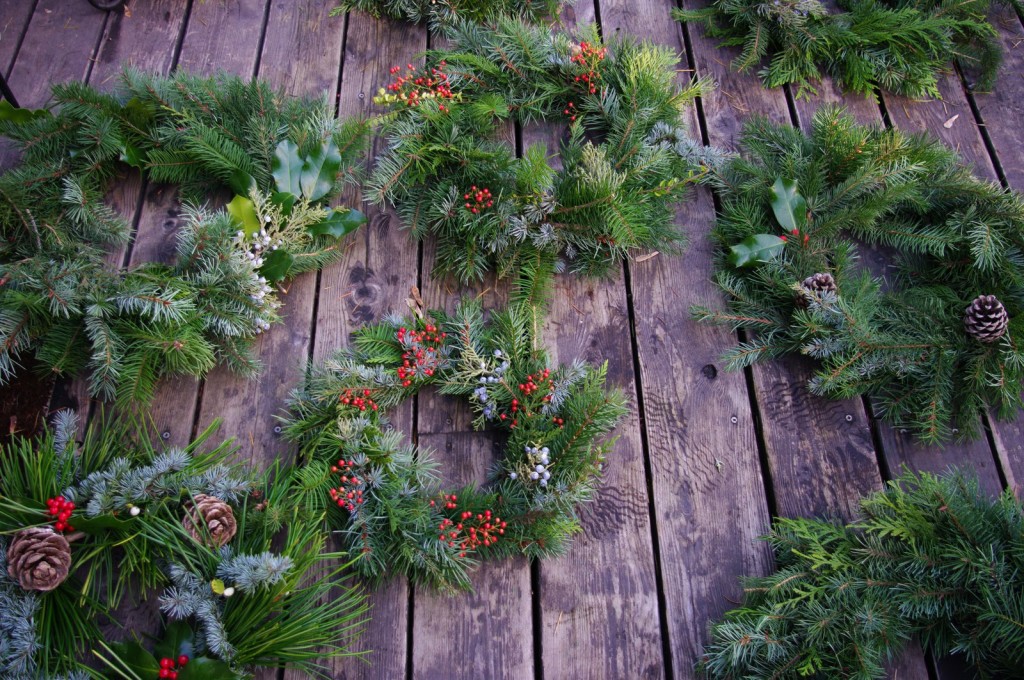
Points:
(164, 673)
(166, 662)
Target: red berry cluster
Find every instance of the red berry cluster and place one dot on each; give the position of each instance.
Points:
(560, 422)
(61, 508)
(527, 388)
(347, 494)
(796, 233)
(168, 669)
(412, 87)
(421, 355)
(588, 56)
(478, 199)
(571, 111)
(357, 401)
(471, 532)
(449, 502)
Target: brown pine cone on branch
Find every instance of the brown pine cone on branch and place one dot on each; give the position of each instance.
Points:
(38, 558)
(986, 319)
(815, 285)
(209, 520)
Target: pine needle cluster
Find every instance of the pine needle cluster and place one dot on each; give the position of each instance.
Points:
(899, 46)
(931, 557)
(128, 540)
(450, 170)
(950, 236)
(283, 157)
(391, 510)
(438, 14)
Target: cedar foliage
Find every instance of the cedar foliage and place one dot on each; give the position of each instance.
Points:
(395, 529)
(899, 46)
(625, 159)
(901, 339)
(930, 556)
(61, 301)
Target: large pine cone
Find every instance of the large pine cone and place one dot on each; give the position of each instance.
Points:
(210, 521)
(38, 558)
(815, 285)
(986, 319)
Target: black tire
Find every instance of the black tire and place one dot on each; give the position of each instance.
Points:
(107, 4)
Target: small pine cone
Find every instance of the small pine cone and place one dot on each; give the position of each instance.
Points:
(215, 515)
(985, 319)
(38, 558)
(816, 284)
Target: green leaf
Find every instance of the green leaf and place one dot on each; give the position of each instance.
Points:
(240, 181)
(244, 215)
(135, 657)
(756, 249)
(205, 668)
(319, 171)
(178, 639)
(790, 207)
(132, 156)
(276, 265)
(285, 200)
(339, 223)
(217, 586)
(286, 167)
(10, 112)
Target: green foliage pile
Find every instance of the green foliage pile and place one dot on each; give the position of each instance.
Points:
(930, 557)
(61, 301)
(554, 450)
(128, 543)
(440, 13)
(901, 340)
(900, 46)
(624, 163)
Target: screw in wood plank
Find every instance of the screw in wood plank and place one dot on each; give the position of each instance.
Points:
(277, 429)
(165, 435)
(734, 420)
(849, 418)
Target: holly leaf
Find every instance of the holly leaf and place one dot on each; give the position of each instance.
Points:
(205, 668)
(286, 166)
(284, 200)
(790, 207)
(755, 250)
(132, 156)
(178, 639)
(243, 213)
(19, 116)
(240, 181)
(319, 171)
(339, 223)
(276, 265)
(134, 656)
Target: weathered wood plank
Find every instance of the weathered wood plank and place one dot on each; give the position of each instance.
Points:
(372, 280)
(16, 16)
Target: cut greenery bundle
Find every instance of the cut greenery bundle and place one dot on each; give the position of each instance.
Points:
(284, 159)
(440, 13)
(625, 162)
(936, 343)
(391, 509)
(930, 556)
(900, 46)
(88, 526)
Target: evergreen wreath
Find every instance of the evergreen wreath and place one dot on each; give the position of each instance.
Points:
(393, 516)
(88, 526)
(440, 13)
(935, 343)
(626, 160)
(930, 556)
(284, 158)
(900, 46)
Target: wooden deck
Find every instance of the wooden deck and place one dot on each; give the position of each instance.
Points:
(706, 457)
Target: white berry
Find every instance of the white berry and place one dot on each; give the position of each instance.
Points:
(134, 512)
(229, 591)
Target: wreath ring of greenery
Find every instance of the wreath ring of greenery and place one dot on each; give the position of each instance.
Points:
(449, 170)
(393, 516)
(283, 158)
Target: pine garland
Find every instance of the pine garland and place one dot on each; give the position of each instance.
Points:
(440, 13)
(284, 158)
(625, 162)
(119, 505)
(899, 46)
(930, 557)
(392, 513)
(902, 340)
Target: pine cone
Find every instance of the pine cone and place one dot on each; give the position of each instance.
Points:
(816, 284)
(210, 521)
(38, 558)
(985, 319)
